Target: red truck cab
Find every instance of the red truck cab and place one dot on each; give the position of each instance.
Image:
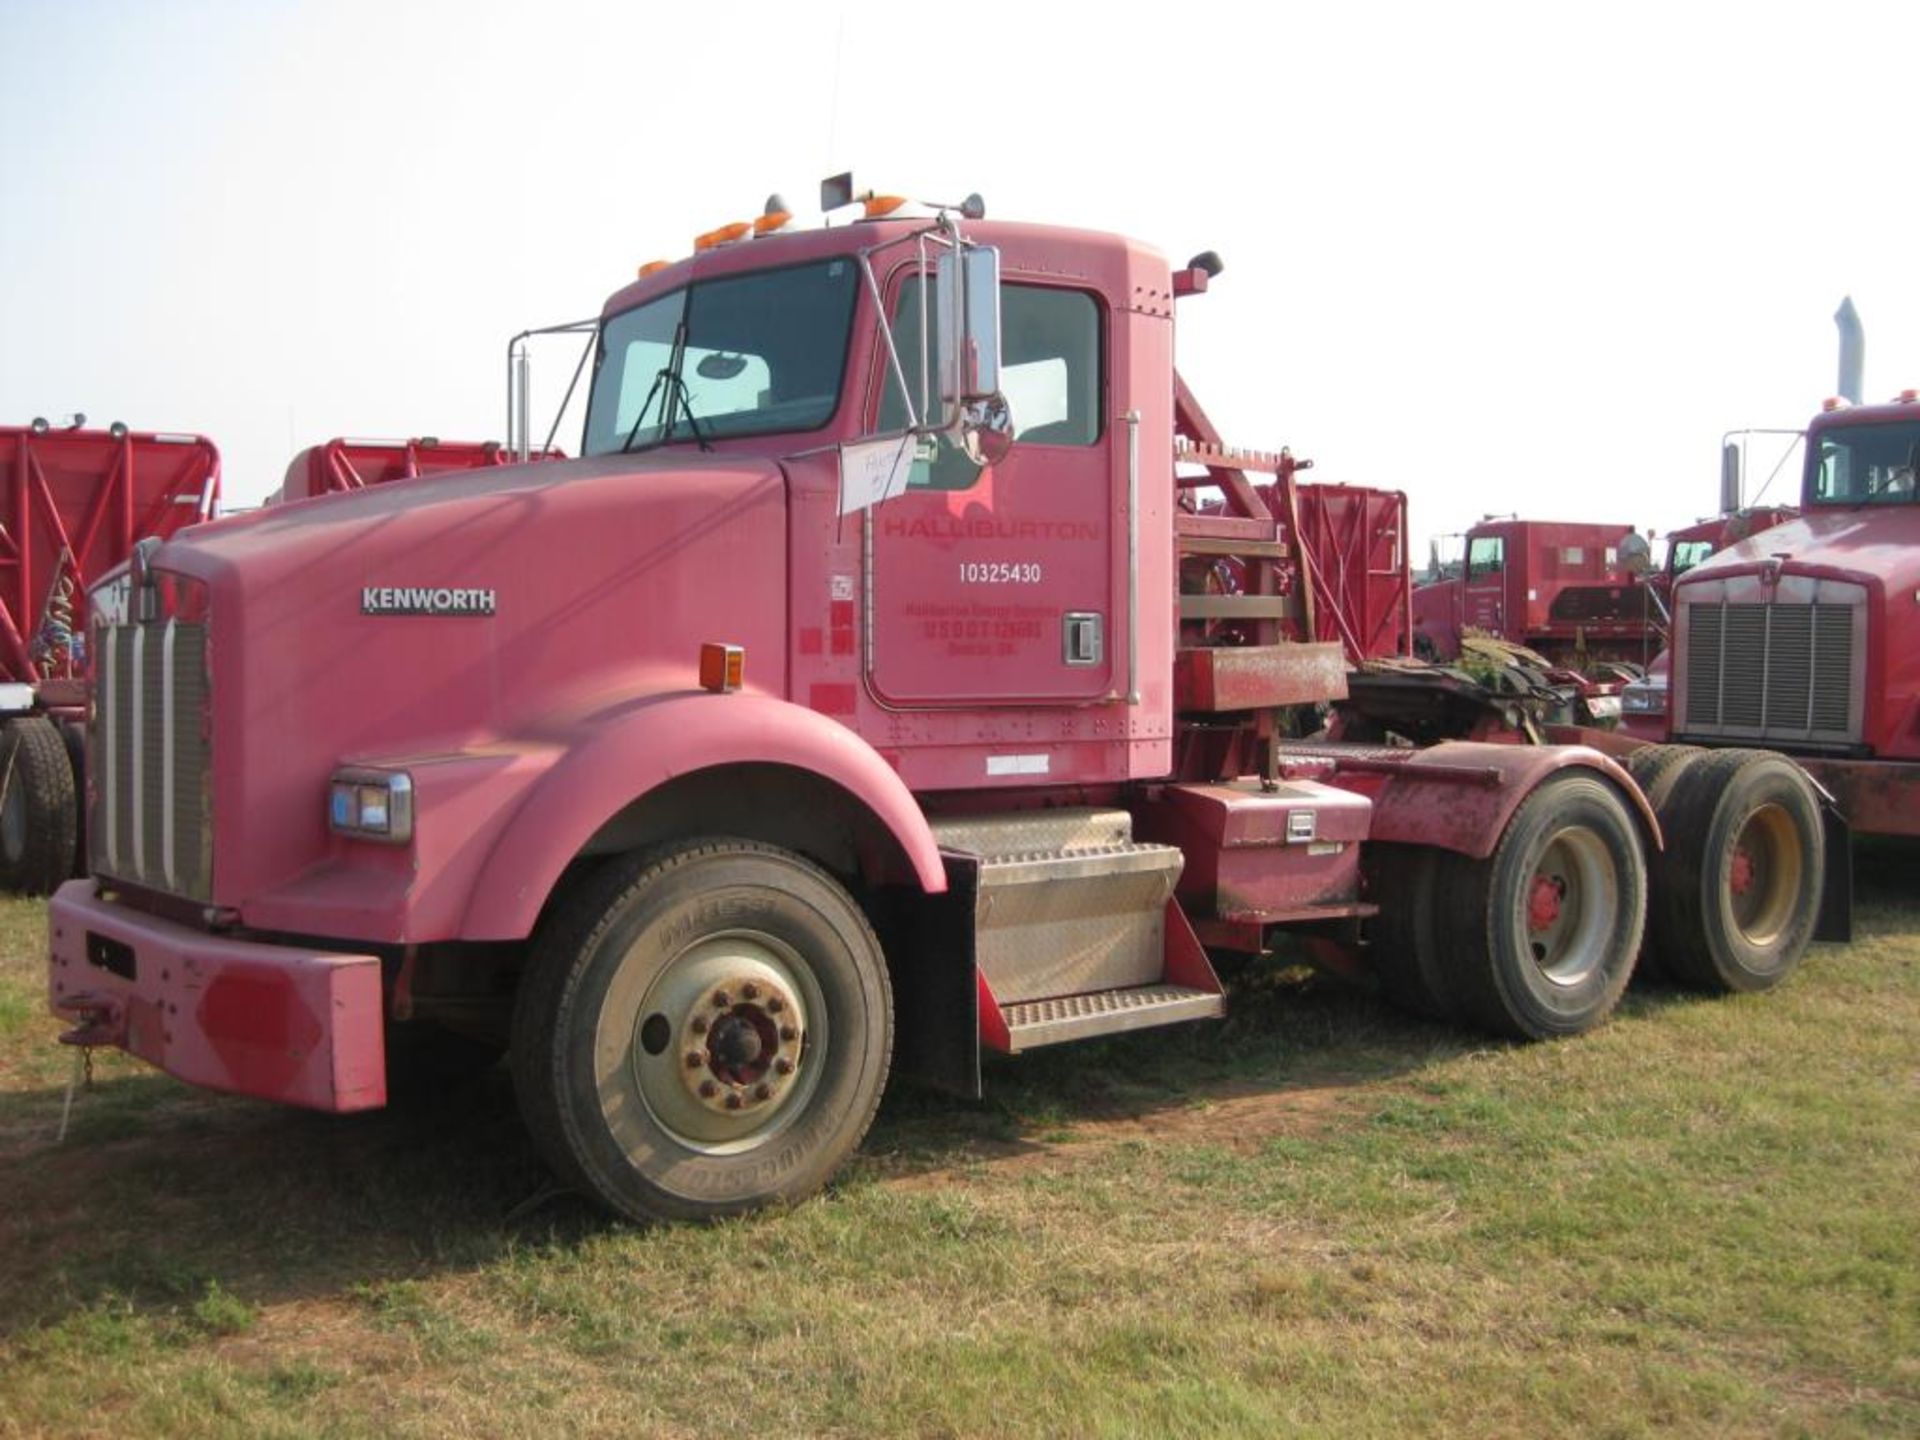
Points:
(1805, 637)
(1561, 588)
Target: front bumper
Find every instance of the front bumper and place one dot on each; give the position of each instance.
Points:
(279, 1022)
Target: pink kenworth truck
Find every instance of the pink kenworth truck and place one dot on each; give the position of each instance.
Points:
(866, 697)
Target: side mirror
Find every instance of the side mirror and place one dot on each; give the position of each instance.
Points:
(966, 290)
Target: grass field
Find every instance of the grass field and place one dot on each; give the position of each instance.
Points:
(1315, 1218)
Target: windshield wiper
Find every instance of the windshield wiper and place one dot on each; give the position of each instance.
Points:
(676, 401)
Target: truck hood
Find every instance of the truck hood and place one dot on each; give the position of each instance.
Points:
(462, 613)
(1872, 544)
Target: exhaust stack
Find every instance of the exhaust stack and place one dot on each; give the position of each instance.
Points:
(1853, 350)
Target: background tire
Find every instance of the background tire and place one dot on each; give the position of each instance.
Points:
(1736, 896)
(702, 1032)
(38, 810)
(1655, 768)
(1540, 937)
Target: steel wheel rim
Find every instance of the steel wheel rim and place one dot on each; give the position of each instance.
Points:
(1763, 874)
(647, 1051)
(1568, 940)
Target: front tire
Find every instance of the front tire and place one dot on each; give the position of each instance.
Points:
(38, 809)
(1540, 937)
(1737, 894)
(702, 1032)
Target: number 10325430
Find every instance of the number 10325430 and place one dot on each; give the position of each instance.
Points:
(997, 572)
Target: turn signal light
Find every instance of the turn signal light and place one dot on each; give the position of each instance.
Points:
(722, 667)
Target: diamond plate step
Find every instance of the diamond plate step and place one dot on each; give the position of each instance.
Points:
(1034, 1023)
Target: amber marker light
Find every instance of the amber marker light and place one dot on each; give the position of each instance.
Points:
(722, 667)
(653, 267)
(880, 206)
(725, 235)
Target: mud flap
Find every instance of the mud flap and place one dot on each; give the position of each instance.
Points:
(1836, 898)
(929, 941)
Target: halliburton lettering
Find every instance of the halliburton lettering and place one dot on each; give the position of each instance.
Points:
(425, 600)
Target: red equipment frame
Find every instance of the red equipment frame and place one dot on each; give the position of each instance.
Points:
(75, 501)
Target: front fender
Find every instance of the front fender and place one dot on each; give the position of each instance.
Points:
(617, 761)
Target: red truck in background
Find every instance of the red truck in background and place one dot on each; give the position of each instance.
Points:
(1690, 545)
(76, 502)
(874, 692)
(1564, 589)
(1805, 637)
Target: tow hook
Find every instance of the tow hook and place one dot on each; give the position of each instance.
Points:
(100, 1021)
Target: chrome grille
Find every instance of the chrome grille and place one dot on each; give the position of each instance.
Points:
(152, 759)
(1774, 669)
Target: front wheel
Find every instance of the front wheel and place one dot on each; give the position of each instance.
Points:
(703, 1032)
(1540, 937)
(1737, 895)
(38, 808)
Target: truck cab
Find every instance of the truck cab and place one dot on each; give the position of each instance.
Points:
(1561, 588)
(1805, 637)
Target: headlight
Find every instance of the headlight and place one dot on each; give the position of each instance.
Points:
(372, 805)
(1645, 697)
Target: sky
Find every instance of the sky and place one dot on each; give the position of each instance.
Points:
(1507, 258)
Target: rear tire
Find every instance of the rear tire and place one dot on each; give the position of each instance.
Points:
(702, 1032)
(1540, 937)
(38, 809)
(1736, 896)
(1402, 941)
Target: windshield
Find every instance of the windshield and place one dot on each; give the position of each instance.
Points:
(763, 352)
(1866, 464)
(1687, 554)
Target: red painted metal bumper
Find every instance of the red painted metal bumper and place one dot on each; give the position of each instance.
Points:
(280, 1022)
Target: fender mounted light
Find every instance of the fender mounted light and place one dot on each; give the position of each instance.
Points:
(722, 667)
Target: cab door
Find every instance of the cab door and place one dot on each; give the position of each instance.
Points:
(995, 586)
(1486, 582)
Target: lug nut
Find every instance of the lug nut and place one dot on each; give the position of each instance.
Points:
(699, 1026)
(783, 1066)
(762, 1090)
(695, 1059)
(722, 1000)
(750, 991)
(733, 1100)
(787, 1032)
(708, 1089)
(775, 1004)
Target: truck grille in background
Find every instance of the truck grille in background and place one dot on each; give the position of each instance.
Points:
(1779, 670)
(151, 758)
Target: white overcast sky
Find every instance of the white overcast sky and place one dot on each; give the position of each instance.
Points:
(1527, 258)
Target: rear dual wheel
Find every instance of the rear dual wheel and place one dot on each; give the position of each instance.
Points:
(703, 1032)
(1540, 936)
(1536, 940)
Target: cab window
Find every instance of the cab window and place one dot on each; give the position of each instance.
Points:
(1486, 555)
(1049, 362)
